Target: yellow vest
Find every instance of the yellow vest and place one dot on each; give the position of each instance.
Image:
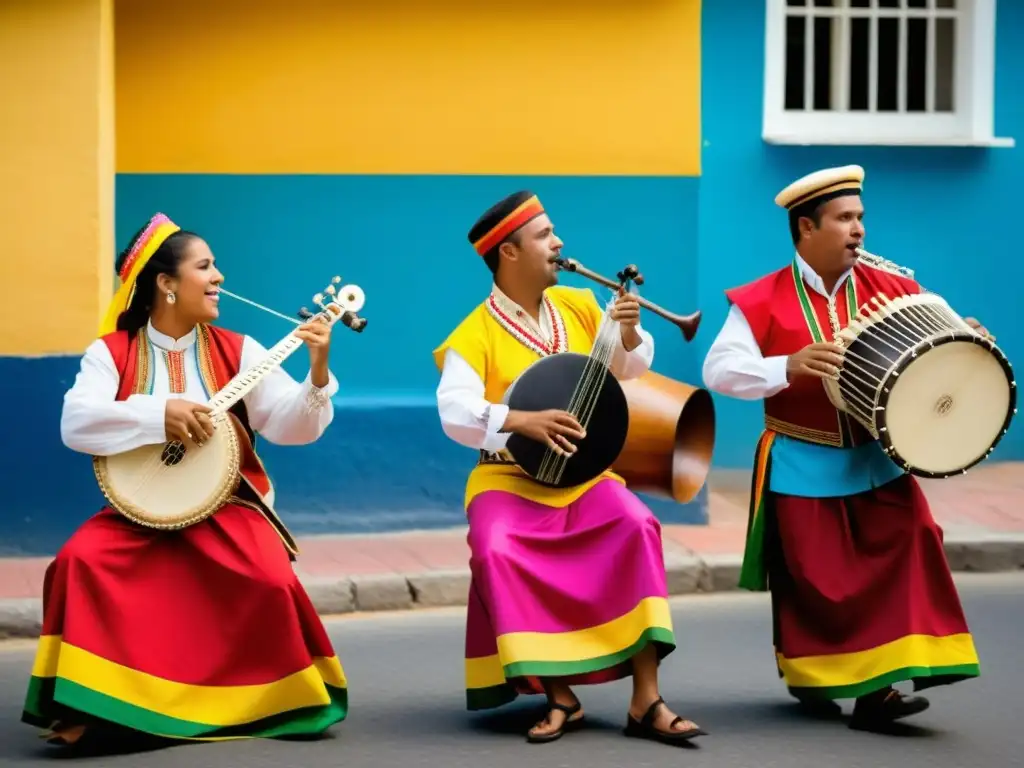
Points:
(498, 358)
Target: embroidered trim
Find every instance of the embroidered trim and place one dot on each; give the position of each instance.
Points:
(175, 362)
(316, 399)
(811, 317)
(207, 373)
(808, 435)
(501, 457)
(143, 384)
(559, 342)
(845, 429)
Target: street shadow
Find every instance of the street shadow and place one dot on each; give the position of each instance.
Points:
(101, 748)
(123, 745)
(760, 716)
(902, 730)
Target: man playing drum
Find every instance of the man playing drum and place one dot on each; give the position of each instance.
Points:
(862, 595)
(568, 584)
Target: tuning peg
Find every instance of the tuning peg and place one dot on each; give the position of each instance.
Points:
(335, 280)
(331, 290)
(305, 314)
(318, 299)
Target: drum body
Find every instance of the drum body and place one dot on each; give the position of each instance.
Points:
(671, 437)
(936, 394)
(552, 382)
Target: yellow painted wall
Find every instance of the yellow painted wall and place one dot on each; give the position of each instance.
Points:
(567, 87)
(56, 173)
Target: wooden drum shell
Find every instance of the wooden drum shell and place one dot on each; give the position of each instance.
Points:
(671, 437)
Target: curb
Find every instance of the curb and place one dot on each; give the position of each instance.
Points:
(687, 574)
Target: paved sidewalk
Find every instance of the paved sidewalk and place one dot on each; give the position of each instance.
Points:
(982, 514)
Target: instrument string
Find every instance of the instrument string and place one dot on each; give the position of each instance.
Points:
(553, 463)
(155, 466)
(252, 303)
(585, 395)
(588, 400)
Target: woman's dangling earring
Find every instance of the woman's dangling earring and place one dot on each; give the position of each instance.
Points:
(171, 298)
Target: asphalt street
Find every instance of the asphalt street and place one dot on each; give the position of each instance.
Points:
(405, 677)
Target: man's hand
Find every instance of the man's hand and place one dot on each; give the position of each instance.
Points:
(626, 311)
(821, 360)
(552, 427)
(979, 328)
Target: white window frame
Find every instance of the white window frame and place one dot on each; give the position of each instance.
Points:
(970, 125)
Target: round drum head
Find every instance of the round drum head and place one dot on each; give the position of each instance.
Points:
(552, 382)
(948, 407)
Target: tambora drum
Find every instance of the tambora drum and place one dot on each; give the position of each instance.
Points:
(938, 395)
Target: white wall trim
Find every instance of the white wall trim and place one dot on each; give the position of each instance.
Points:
(971, 125)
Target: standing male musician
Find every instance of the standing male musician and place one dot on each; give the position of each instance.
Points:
(568, 584)
(862, 595)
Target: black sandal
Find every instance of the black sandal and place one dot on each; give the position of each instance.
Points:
(645, 728)
(567, 725)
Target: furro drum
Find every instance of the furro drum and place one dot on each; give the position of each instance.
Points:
(938, 395)
(670, 439)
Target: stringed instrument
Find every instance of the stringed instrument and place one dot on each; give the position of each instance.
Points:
(169, 486)
(656, 432)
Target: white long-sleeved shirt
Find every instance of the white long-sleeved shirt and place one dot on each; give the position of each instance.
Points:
(734, 365)
(279, 408)
(470, 420)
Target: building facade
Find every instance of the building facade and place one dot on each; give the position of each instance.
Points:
(315, 139)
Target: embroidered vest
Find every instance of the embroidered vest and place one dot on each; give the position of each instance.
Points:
(219, 353)
(785, 316)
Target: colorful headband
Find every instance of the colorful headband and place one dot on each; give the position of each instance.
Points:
(146, 244)
(524, 212)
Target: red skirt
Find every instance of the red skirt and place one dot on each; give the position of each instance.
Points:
(862, 594)
(202, 633)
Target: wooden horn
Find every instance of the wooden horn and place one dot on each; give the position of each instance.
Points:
(688, 324)
(671, 437)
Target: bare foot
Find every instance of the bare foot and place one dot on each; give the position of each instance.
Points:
(65, 735)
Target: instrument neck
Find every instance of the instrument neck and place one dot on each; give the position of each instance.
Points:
(245, 381)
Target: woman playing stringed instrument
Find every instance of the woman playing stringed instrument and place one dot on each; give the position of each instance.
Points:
(203, 632)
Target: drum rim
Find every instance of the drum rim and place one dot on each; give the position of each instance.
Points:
(139, 516)
(882, 399)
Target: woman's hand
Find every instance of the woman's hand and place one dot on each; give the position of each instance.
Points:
(317, 337)
(187, 422)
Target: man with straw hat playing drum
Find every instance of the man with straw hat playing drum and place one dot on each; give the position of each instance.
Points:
(862, 595)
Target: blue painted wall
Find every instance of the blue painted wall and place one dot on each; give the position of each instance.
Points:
(948, 213)
(384, 464)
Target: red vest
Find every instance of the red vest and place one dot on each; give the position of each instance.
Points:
(785, 316)
(220, 357)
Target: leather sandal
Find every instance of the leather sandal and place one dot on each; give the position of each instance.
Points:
(645, 728)
(878, 712)
(568, 724)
